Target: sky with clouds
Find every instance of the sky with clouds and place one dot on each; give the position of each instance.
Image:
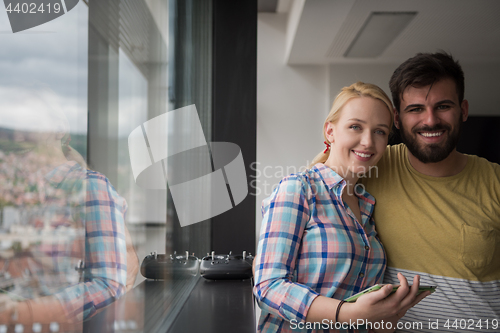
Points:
(53, 55)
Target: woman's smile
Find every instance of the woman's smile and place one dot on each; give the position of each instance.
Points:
(362, 155)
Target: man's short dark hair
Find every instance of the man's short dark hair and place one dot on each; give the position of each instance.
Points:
(424, 69)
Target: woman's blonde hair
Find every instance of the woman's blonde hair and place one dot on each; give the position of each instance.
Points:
(358, 89)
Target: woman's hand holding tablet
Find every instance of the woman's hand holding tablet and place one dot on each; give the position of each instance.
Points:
(385, 303)
(354, 297)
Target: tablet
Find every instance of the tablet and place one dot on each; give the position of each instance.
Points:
(354, 297)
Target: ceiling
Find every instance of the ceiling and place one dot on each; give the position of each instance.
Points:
(273, 6)
(321, 31)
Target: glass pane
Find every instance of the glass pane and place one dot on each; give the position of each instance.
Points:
(43, 187)
(75, 220)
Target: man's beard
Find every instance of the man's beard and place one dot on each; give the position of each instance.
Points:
(431, 153)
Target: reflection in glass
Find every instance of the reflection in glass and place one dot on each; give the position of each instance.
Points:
(43, 134)
(71, 91)
(67, 253)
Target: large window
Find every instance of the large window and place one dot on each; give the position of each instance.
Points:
(82, 100)
(43, 149)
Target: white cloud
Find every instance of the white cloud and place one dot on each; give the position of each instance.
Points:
(55, 53)
(36, 109)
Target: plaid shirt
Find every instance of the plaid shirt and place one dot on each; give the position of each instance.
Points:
(99, 212)
(311, 244)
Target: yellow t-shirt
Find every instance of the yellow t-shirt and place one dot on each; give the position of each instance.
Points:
(447, 229)
(448, 226)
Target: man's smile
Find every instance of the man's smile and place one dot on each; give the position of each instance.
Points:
(431, 134)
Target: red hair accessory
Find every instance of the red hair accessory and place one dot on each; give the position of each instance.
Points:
(327, 147)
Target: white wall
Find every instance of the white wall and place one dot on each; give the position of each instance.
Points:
(346, 74)
(292, 103)
(482, 87)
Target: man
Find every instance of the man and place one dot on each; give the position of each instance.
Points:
(438, 210)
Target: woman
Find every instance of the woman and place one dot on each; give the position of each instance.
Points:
(318, 243)
(79, 214)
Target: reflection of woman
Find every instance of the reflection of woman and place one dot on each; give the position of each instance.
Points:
(318, 243)
(72, 199)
